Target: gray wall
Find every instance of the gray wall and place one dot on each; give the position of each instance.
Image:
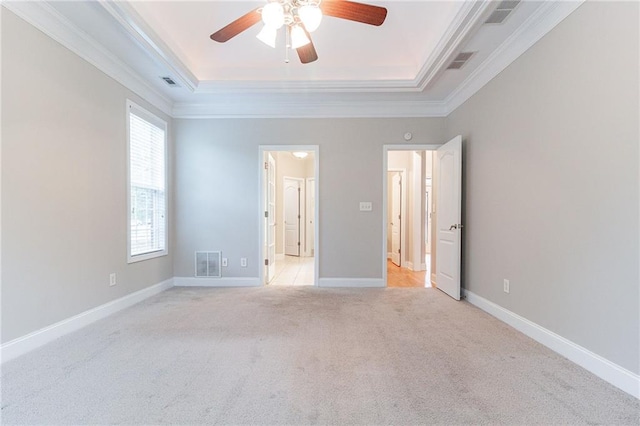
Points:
(217, 187)
(63, 185)
(551, 183)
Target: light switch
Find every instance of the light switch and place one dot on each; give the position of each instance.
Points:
(366, 206)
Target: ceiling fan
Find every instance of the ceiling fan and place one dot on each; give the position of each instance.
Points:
(300, 18)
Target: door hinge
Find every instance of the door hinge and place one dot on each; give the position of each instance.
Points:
(266, 165)
(266, 214)
(266, 262)
(298, 243)
(298, 216)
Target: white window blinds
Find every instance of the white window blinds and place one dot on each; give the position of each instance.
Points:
(147, 185)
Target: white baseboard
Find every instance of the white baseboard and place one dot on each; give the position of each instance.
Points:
(423, 267)
(216, 282)
(434, 280)
(351, 282)
(389, 255)
(601, 367)
(31, 341)
(408, 265)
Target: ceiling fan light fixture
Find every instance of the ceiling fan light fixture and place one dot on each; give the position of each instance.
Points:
(300, 154)
(273, 15)
(267, 35)
(298, 37)
(311, 16)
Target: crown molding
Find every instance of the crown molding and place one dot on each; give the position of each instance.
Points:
(135, 26)
(468, 20)
(341, 86)
(229, 101)
(48, 20)
(545, 18)
(226, 108)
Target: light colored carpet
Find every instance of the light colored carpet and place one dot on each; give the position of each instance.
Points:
(303, 355)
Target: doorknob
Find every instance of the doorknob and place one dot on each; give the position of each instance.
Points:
(456, 226)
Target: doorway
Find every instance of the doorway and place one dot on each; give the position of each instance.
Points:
(435, 238)
(288, 212)
(408, 242)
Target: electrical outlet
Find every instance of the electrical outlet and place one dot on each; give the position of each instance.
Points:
(225, 261)
(112, 279)
(243, 262)
(506, 286)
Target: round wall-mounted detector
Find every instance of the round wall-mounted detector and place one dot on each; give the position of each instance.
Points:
(408, 136)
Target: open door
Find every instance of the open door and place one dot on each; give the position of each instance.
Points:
(448, 170)
(396, 217)
(270, 213)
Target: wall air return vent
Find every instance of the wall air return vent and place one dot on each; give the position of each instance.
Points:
(208, 264)
(502, 11)
(460, 60)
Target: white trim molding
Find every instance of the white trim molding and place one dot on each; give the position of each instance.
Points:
(357, 99)
(545, 18)
(216, 282)
(601, 367)
(131, 21)
(231, 106)
(21, 345)
(351, 282)
(51, 22)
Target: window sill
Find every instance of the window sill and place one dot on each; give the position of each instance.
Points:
(146, 256)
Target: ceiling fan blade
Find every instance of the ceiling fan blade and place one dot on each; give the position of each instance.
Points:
(236, 27)
(353, 11)
(307, 53)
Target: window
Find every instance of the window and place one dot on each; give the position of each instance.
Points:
(147, 147)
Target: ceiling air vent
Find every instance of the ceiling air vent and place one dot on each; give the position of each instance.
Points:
(502, 11)
(460, 60)
(171, 82)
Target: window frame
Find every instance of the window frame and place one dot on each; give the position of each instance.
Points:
(132, 107)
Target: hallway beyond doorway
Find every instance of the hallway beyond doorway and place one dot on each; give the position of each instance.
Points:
(404, 277)
(294, 271)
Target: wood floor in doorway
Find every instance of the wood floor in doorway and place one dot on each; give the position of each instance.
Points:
(403, 277)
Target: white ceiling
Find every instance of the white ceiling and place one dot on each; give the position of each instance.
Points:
(347, 50)
(397, 69)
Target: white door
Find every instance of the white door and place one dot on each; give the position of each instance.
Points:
(291, 217)
(310, 216)
(396, 217)
(448, 214)
(270, 212)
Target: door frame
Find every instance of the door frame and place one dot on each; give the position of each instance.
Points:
(308, 248)
(385, 202)
(302, 216)
(261, 222)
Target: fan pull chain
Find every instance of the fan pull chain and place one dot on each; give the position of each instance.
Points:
(287, 44)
